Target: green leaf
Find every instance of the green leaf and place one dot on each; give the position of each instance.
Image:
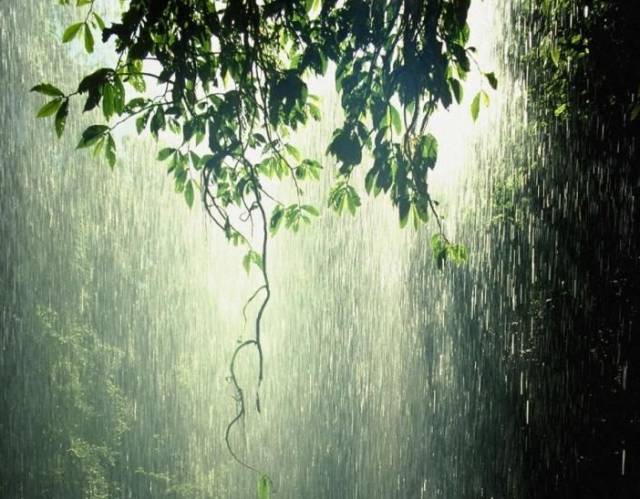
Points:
(312, 210)
(137, 82)
(353, 201)
(310, 5)
(369, 179)
(635, 112)
(71, 32)
(95, 80)
(437, 242)
(429, 150)
(134, 104)
(88, 40)
(439, 249)
(98, 147)
(188, 193)
(99, 20)
(47, 89)
(555, 55)
(560, 110)
(276, 220)
(249, 258)
(493, 81)
(165, 152)
(264, 487)
(456, 87)
(61, 117)
(457, 253)
(346, 148)
(49, 108)
(91, 135)
(246, 262)
(141, 121)
(404, 207)
(157, 122)
(110, 151)
(188, 129)
(107, 100)
(293, 151)
(314, 111)
(422, 210)
(197, 161)
(395, 119)
(475, 107)
(484, 97)
(93, 99)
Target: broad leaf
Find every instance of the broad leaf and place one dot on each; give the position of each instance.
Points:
(47, 89)
(49, 108)
(71, 32)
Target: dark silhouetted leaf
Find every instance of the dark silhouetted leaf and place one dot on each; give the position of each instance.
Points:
(61, 117)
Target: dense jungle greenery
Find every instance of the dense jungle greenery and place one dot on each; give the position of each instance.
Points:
(233, 108)
(585, 187)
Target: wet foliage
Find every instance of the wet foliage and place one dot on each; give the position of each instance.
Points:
(233, 76)
(391, 373)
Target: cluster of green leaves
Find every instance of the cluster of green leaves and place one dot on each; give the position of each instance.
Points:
(560, 52)
(293, 216)
(444, 250)
(84, 28)
(232, 86)
(396, 64)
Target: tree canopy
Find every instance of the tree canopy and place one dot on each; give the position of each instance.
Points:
(232, 83)
(230, 79)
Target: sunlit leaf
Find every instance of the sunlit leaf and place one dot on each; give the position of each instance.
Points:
(395, 119)
(475, 107)
(312, 210)
(484, 98)
(293, 151)
(49, 108)
(251, 257)
(99, 20)
(560, 110)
